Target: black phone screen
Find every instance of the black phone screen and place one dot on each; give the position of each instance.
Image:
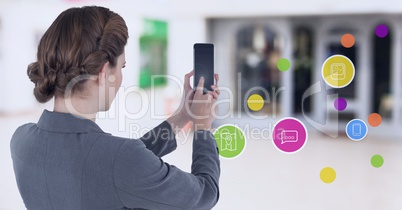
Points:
(204, 64)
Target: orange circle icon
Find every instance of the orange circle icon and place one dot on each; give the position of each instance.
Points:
(374, 119)
(348, 40)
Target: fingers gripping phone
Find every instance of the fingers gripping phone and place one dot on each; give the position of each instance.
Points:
(204, 65)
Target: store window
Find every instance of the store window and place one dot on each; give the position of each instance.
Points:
(258, 50)
(303, 67)
(382, 100)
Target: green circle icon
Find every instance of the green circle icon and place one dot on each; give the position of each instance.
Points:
(230, 140)
(377, 161)
(283, 64)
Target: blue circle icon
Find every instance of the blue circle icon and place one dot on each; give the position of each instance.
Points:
(356, 129)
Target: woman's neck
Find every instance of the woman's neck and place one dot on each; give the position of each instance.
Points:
(80, 107)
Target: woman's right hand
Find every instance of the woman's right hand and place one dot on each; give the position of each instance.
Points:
(201, 107)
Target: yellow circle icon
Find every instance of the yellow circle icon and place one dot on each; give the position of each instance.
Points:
(338, 71)
(255, 102)
(328, 175)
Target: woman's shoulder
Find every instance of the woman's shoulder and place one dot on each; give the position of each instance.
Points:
(21, 133)
(23, 129)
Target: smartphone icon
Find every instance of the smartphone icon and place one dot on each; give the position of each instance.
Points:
(204, 65)
(356, 130)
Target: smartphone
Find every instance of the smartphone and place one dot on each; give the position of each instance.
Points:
(204, 65)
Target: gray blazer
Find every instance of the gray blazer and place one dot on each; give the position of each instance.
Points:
(67, 162)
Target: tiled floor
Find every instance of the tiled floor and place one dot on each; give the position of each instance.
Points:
(263, 178)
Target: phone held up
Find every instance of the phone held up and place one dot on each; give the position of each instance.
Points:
(204, 65)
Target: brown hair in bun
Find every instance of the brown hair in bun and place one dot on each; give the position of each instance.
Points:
(77, 43)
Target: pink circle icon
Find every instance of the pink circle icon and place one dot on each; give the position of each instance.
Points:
(289, 135)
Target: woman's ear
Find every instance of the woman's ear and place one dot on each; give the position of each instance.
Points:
(102, 74)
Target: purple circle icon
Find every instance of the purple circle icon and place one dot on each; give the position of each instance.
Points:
(340, 104)
(289, 135)
(381, 30)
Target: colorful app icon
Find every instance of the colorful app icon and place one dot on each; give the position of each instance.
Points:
(255, 102)
(338, 71)
(289, 135)
(356, 129)
(328, 175)
(230, 140)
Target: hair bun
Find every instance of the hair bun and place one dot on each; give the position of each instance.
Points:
(99, 39)
(44, 85)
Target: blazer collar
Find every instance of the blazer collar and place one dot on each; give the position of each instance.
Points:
(66, 123)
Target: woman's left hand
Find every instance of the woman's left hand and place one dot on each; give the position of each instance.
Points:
(188, 95)
(181, 117)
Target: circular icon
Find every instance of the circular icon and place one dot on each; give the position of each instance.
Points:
(377, 161)
(327, 175)
(381, 30)
(340, 104)
(283, 64)
(356, 129)
(348, 40)
(289, 135)
(374, 119)
(338, 71)
(255, 102)
(230, 140)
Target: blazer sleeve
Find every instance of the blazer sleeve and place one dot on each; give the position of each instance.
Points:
(161, 140)
(143, 180)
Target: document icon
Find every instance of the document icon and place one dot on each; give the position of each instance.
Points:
(338, 71)
(228, 141)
